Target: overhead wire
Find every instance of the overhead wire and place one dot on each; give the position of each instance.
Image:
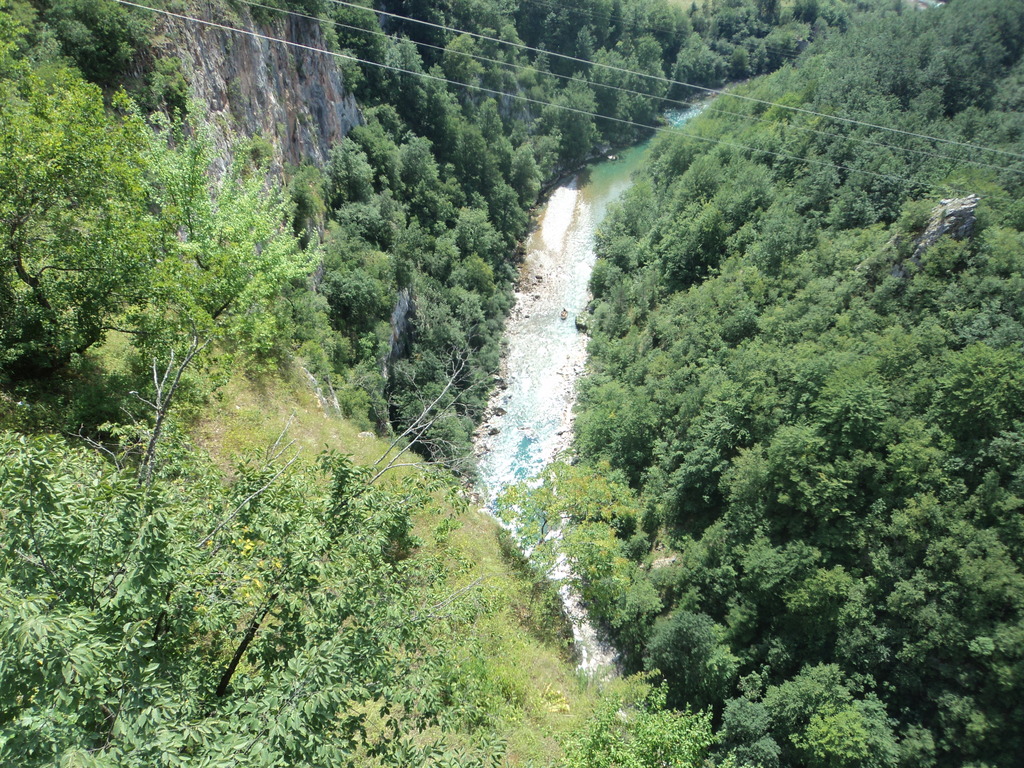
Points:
(523, 46)
(671, 82)
(519, 97)
(620, 89)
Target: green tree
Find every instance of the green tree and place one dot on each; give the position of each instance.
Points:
(269, 620)
(641, 733)
(569, 121)
(76, 241)
(981, 393)
(102, 38)
(226, 249)
(688, 650)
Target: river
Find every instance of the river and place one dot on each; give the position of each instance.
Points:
(529, 419)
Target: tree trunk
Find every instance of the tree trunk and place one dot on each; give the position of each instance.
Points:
(247, 638)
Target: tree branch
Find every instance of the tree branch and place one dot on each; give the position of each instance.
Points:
(452, 379)
(241, 505)
(247, 638)
(162, 403)
(432, 612)
(426, 419)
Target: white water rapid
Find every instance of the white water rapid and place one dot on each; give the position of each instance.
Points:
(529, 418)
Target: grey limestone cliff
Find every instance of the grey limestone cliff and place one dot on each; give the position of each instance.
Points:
(293, 97)
(953, 217)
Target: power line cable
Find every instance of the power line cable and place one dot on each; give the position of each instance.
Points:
(519, 97)
(653, 128)
(678, 102)
(717, 91)
(609, 86)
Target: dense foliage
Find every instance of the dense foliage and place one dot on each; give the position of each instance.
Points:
(641, 734)
(427, 201)
(278, 620)
(157, 610)
(800, 500)
(419, 210)
(821, 410)
(110, 225)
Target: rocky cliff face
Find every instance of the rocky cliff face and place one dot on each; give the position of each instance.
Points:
(293, 97)
(401, 315)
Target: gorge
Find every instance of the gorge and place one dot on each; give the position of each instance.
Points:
(530, 416)
(256, 260)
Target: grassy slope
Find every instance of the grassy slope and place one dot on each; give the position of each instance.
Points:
(517, 646)
(518, 643)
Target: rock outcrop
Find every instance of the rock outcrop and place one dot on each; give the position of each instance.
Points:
(293, 97)
(953, 217)
(401, 318)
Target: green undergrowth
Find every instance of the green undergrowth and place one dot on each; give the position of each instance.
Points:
(247, 412)
(519, 685)
(499, 677)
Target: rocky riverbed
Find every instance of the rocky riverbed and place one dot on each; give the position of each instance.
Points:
(529, 419)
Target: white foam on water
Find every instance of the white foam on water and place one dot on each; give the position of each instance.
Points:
(531, 417)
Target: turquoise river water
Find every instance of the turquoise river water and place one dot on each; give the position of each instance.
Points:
(529, 419)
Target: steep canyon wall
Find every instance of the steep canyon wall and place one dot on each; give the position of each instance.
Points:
(293, 97)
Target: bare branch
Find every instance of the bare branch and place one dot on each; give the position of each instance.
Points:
(421, 422)
(234, 513)
(98, 446)
(273, 453)
(38, 563)
(434, 611)
(163, 400)
(144, 401)
(429, 414)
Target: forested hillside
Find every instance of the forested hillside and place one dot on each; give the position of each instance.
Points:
(799, 495)
(418, 211)
(806, 364)
(182, 581)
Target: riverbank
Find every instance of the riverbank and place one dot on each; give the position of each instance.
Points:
(529, 419)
